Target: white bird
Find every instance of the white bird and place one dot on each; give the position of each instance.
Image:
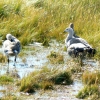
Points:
(11, 47)
(73, 40)
(76, 45)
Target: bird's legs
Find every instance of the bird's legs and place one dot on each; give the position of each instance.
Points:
(81, 59)
(15, 61)
(8, 66)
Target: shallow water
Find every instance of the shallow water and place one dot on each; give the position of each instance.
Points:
(34, 58)
(2, 88)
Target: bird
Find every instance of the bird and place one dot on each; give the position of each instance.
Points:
(11, 47)
(71, 39)
(77, 45)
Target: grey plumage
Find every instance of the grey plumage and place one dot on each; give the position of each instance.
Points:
(75, 45)
(73, 40)
(11, 47)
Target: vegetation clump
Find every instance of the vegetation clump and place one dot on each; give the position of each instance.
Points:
(63, 78)
(91, 88)
(36, 80)
(56, 58)
(89, 78)
(10, 97)
(88, 91)
(44, 79)
(4, 79)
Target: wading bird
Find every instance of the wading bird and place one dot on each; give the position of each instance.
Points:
(11, 47)
(77, 46)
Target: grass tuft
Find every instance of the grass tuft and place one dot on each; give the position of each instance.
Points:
(44, 79)
(88, 91)
(91, 78)
(4, 79)
(56, 58)
(63, 78)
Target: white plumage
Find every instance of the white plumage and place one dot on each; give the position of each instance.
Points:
(11, 47)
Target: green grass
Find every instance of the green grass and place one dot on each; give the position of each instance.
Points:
(44, 20)
(44, 79)
(88, 91)
(63, 78)
(4, 79)
(91, 89)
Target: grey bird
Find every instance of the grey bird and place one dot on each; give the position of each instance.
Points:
(11, 47)
(73, 40)
(76, 45)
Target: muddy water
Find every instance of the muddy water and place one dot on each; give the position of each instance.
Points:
(34, 58)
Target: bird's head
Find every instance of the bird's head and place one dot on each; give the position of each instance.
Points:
(9, 37)
(69, 30)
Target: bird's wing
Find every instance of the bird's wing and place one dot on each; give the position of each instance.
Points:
(84, 42)
(77, 40)
(16, 46)
(77, 45)
(73, 41)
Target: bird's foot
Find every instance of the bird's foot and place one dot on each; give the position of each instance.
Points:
(14, 64)
(7, 72)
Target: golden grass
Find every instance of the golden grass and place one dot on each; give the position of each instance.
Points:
(2, 58)
(43, 20)
(55, 58)
(91, 78)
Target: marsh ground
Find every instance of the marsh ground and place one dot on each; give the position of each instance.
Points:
(34, 57)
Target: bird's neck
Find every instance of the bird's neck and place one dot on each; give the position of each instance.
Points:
(70, 36)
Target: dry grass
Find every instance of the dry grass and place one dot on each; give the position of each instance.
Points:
(2, 58)
(55, 58)
(91, 78)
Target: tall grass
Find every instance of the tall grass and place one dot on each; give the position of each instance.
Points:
(42, 20)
